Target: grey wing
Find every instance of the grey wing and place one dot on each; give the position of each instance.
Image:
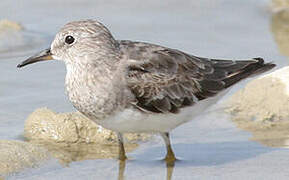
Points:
(165, 80)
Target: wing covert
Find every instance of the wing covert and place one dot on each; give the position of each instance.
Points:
(164, 80)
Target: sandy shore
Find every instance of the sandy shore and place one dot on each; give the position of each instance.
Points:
(262, 108)
(278, 5)
(15, 156)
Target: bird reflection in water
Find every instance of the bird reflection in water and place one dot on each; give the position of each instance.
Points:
(169, 168)
(121, 169)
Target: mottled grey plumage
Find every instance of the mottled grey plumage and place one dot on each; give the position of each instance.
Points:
(131, 86)
(166, 80)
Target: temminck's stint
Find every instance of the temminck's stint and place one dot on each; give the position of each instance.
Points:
(129, 86)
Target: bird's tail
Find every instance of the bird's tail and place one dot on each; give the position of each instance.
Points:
(239, 70)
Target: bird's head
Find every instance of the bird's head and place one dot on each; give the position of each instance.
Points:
(79, 42)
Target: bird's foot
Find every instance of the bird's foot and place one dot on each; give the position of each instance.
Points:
(170, 159)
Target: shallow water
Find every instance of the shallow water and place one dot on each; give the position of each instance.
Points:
(210, 147)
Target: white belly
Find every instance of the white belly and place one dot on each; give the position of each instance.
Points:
(132, 120)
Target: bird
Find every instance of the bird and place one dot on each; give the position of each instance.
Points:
(138, 87)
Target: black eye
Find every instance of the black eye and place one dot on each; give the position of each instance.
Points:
(69, 39)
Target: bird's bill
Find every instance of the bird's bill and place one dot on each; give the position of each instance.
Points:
(41, 56)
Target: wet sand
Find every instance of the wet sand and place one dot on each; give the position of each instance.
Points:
(72, 137)
(67, 137)
(44, 125)
(17, 156)
(278, 5)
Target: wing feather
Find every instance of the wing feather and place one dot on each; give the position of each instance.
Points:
(165, 80)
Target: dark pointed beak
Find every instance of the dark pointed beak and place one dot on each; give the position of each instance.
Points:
(41, 56)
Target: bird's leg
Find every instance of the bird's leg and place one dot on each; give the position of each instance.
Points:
(170, 157)
(122, 155)
(121, 170)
